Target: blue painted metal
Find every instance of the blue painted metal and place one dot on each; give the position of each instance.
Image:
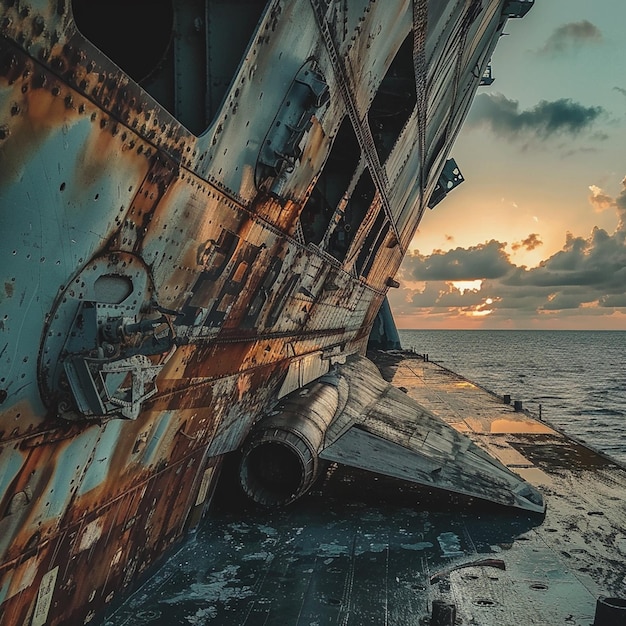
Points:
(158, 285)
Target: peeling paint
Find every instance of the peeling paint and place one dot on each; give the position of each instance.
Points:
(159, 283)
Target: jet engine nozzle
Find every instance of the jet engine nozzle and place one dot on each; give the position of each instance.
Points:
(356, 418)
(280, 460)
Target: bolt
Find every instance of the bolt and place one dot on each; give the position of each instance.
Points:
(38, 25)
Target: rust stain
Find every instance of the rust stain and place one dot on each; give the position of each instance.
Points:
(204, 252)
(47, 109)
(37, 113)
(279, 212)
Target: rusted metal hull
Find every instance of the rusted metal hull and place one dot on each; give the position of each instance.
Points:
(189, 234)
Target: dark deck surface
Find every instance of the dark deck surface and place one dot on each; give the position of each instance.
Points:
(362, 549)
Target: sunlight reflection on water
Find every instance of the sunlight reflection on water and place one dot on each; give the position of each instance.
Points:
(576, 377)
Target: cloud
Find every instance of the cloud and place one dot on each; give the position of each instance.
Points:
(586, 277)
(592, 263)
(620, 90)
(618, 300)
(487, 260)
(620, 205)
(544, 120)
(530, 243)
(599, 200)
(571, 36)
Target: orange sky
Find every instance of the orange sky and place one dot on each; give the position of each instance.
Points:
(537, 232)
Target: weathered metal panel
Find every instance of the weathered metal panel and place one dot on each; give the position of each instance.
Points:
(302, 371)
(369, 47)
(382, 430)
(157, 284)
(285, 38)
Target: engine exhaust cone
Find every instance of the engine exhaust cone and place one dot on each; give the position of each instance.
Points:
(610, 612)
(276, 468)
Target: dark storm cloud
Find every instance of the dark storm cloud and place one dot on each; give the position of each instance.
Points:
(544, 120)
(570, 36)
(487, 260)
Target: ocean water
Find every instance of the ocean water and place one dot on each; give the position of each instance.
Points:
(578, 378)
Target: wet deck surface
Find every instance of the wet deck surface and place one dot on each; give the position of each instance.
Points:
(362, 549)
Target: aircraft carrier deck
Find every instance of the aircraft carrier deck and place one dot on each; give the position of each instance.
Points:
(357, 551)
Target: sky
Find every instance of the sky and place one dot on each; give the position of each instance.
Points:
(535, 238)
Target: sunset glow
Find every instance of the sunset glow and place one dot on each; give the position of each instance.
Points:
(536, 235)
(467, 285)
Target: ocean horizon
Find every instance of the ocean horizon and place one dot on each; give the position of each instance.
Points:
(575, 378)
